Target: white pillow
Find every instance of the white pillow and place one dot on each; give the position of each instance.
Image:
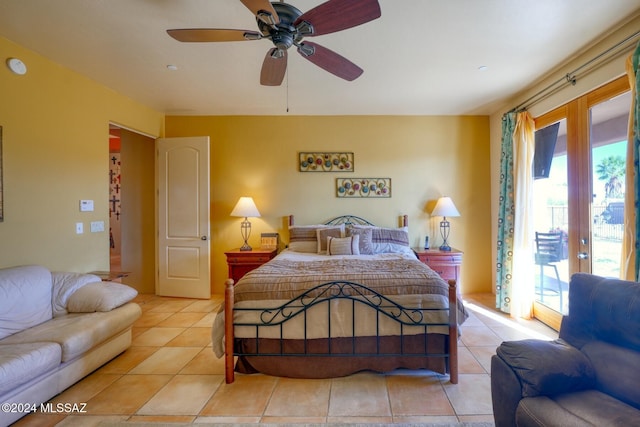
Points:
(64, 285)
(343, 245)
(101, 296)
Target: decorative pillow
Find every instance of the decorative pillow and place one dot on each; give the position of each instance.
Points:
(101, 296)
(343, 245)
(386, 240)
(304, 238)
(64, 285)
(365, 237)
(323, 233)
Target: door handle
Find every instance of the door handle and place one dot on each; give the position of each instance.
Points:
(203, 238)
(583, 255)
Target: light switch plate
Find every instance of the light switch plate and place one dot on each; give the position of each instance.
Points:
(79, 228)
(86, 205)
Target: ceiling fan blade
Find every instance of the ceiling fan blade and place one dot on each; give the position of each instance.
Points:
(263, 10)
(213, 35)
(274, 67)
(337, 15)
(330, 61)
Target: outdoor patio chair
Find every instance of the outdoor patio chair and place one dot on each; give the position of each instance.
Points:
(548, 253)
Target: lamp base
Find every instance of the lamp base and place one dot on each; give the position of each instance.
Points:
(445, 248)
(246, 247)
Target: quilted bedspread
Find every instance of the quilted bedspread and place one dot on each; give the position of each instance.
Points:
(291, 273)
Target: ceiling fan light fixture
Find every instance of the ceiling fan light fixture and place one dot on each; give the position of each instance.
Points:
(250, 35)
(305, 29)
(267, 18)
(286, 26)
(278, 53)
(306, 50)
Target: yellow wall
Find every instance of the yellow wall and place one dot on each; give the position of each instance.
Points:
(55, 153)
(425, 157)
(55, 126)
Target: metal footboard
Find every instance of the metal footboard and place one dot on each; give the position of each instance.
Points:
(356, 295)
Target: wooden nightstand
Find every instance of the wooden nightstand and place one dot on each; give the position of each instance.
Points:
(446, 264)
(242, 262)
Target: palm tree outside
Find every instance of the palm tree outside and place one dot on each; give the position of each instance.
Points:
(611, 170)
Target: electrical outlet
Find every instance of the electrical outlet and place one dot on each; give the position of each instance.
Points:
(97, 226)
(79, 228)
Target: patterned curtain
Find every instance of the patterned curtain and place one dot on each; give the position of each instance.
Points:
(515, 287)
(631, 241)
(506, 209)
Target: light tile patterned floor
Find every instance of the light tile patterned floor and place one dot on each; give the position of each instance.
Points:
(170, 374)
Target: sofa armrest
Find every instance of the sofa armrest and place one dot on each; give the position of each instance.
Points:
(506, 392)
(547, 367)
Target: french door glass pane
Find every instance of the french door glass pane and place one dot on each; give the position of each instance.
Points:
(608, 134)
(551, 219)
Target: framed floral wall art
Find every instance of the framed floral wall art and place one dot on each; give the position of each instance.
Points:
(326, 162)
(363, 187)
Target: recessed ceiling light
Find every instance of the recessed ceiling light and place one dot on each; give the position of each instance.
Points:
(172, 67)
(17, 66)
(483, 68)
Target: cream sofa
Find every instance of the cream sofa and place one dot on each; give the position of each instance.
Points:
(55, 328)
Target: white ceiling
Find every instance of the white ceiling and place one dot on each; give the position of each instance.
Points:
(421, 57)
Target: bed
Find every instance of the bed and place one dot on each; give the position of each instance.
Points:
(345, 296)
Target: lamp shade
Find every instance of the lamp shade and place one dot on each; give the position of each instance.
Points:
(445, 207)
(245, 208)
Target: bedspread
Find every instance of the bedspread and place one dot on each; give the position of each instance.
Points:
(400, 276)
(291, 273)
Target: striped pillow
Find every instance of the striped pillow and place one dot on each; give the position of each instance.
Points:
(386, 240)
(304, 238)
(343, 245)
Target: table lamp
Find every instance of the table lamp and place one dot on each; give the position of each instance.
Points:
(245, 208)
(445, 208)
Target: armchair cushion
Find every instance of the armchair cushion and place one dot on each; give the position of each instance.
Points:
(547, 367)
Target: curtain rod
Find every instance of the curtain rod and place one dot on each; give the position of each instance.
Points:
(569, 78)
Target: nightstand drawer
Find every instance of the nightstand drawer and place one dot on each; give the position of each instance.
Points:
(255, 259)
(445, 263)
(447, 272)
(242, 262)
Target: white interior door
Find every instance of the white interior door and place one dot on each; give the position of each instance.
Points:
(183, 217)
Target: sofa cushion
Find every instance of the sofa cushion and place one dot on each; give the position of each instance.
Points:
(100, 296)
(78, 332)
(20, 363)
(547, 367)
(617, 370)
(583, 408)
(25, 298)
(64, 285)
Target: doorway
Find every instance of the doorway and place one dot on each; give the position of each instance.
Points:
(132, 207)
(579, 197)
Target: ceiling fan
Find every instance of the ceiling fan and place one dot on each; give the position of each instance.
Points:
(286, 26)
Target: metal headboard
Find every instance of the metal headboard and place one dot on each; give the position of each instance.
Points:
(348, 220)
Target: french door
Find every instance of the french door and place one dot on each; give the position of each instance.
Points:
(579, 193)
